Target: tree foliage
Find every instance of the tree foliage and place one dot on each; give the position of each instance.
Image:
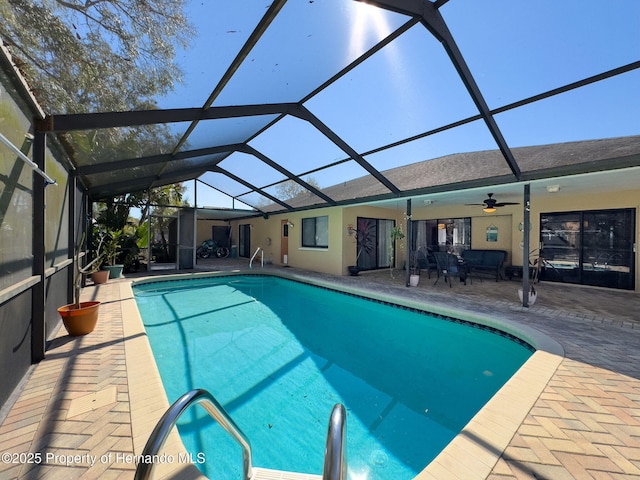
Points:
(290, 189)
(115, 212)
(96, 55)
(83, 56)
(125, 235)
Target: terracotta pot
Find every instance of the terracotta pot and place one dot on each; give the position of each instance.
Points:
(79, 321)
(101, 276)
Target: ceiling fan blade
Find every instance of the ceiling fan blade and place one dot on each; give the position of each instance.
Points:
(502, 204)
(474, 204)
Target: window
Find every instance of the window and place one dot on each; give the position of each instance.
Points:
(442, 235)
(594, 247)
(315, 232)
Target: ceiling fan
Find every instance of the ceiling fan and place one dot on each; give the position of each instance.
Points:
(490, 204)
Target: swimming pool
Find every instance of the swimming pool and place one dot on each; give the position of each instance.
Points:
(279, 354)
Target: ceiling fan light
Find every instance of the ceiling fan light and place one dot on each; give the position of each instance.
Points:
(489, 209)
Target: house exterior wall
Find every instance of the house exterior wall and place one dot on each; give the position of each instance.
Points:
(342, 252)
(204, 229)
(266, 234)
(567, 202)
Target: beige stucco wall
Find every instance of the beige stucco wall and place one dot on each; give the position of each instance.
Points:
(266, 234)
(342, 247)
(502, 220)
(204, 229)
(565, 202)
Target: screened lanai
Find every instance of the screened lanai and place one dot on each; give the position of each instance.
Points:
(391, 105)
(325, 92)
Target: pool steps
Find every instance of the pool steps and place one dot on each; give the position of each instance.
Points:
(335, 464)
(268, 474)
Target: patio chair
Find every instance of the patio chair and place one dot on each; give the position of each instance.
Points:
(426, 261)
(449, 266)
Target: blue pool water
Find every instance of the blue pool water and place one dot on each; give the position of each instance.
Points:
(279, 354)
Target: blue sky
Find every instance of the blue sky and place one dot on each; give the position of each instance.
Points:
(514, 49)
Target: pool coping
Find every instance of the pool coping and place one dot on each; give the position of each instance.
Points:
(472, 454)
(147, 398)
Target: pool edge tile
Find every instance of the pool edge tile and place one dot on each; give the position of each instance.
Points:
(145, 384)
(526, 386)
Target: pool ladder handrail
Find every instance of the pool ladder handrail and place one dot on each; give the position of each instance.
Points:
(259, 249)
(164, 426)
(335, 453)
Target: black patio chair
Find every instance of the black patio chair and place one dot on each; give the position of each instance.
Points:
(449, 266)
(426, 261)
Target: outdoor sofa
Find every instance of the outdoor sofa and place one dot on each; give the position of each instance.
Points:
(485, 261)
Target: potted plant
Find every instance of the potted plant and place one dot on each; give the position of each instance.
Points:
(100, 276)
(414, 276)
(80, 318)
(364, 243)
(533, 294)
(395, 234)
(111, 251)
(355, 269)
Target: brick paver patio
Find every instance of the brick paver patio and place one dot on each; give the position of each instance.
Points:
(72, 417)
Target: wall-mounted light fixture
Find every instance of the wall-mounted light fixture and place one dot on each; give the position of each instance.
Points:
(553, 188)
(350, 230)
(289, 224)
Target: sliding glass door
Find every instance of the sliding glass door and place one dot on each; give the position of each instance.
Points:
(589, 248)
(374, 246)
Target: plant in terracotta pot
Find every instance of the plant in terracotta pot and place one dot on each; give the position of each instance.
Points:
(98, 274)
(80, 318)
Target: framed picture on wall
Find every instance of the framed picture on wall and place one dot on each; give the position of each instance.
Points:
(492, 233)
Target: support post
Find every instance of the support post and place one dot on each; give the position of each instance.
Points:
(526, 245)
(72, 231)
(194, 257)
(408, 243)
(38, 333)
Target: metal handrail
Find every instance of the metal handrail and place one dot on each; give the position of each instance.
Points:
(30, 163)
(335, 454)
(259, 249)
(167, 422)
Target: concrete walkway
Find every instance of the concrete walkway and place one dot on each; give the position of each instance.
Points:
(72, 417)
